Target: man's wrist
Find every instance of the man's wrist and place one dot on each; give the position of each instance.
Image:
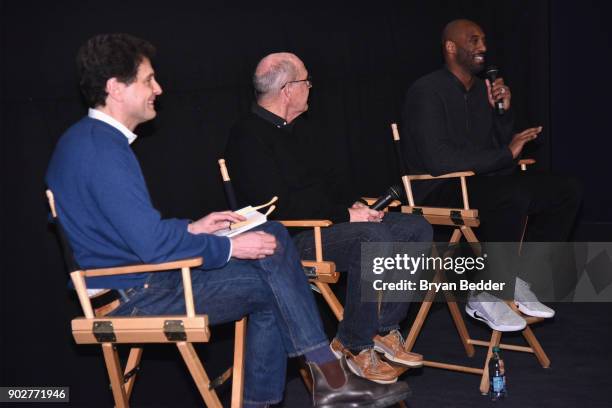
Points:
(190, 226)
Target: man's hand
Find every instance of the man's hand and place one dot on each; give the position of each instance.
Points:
(498, 91)
(253, 245)
(520, 139)
(214, 222)
(361, 213)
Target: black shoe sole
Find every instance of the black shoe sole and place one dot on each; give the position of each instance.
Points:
(381, 403)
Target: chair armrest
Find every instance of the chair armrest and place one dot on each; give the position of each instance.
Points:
(370, 201)
(122, 270)
(78, 279)
(523, 163)
(306, 223)
(316, 225)
(461, 175)
(443, 176)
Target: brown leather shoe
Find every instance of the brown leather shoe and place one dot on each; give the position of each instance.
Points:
(366, 364)
(392, 346)
(356, 392)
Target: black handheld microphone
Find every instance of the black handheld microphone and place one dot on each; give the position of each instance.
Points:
(492, 72)
(393, 193)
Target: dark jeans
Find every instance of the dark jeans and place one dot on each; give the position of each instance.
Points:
(273, 292)
(342, 245)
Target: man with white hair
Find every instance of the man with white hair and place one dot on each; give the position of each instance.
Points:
(273, 153)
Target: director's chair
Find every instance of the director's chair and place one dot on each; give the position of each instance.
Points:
(181, 330)
(462, 221)
(321, 273)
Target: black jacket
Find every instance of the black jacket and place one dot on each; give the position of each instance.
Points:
(446, 128)
(267, 159)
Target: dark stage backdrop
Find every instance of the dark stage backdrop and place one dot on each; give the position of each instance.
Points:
(362, 59)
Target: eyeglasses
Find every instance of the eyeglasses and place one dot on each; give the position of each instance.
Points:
(308, 81)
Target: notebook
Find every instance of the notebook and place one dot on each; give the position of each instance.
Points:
(253, 219)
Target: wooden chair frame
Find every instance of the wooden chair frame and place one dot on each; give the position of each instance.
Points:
(325, 270)
(462, 220)
(182, 330)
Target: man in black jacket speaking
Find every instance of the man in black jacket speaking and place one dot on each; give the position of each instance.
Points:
(449, 124)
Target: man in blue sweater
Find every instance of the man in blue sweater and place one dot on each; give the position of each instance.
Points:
(106, 211)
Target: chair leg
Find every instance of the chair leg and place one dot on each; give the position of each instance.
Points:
(415, 329)
(421, 316)
(469, 234)
(456, 236)
(113, 366)
(331, 299)
(464, 335)
(538, 350)
(453, 308)
(523, 235)
(532, 340)
(132, 363)
(484, 381)
(238, 371)
(417, 325)
(199, 374)
(306, 377)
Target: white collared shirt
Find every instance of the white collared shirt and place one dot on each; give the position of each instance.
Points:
(97, 114)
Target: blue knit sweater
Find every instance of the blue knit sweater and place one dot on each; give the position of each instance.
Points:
(104, 205)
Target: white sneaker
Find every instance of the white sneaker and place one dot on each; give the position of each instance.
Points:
(494, 312)
(528, 303)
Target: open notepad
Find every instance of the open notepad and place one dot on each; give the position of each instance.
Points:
(253, 219)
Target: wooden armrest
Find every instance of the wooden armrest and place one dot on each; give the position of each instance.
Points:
(461, 175)
(526, 162)
(523, 163)
(78, 279)
(370, 201)
(306, 223)
(443, 176)
(122, 270)
(316, 225)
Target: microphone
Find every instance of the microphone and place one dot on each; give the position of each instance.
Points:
(492, 72)
(393, 193)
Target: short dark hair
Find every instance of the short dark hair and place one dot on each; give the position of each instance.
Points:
(106, 56)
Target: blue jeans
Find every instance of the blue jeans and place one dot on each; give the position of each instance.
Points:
(273, 292)
(342, 245)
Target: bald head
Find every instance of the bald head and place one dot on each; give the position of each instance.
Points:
(274, 71)
(457, 30)
(464, 46)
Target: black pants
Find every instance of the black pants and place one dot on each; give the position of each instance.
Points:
(504, 202)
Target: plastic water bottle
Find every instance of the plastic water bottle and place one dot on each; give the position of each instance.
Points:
(497, 376)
